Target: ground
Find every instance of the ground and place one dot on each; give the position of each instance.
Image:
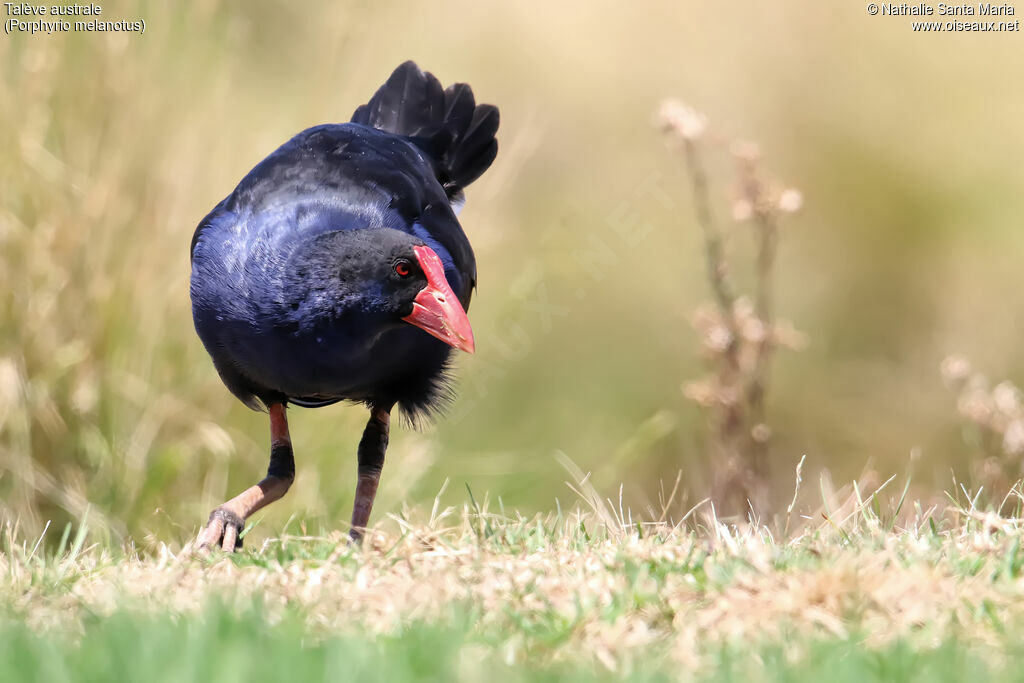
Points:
(850, 593)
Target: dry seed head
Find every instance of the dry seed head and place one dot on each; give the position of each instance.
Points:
(786, 335)
(717, 338)
(754, 330)
(974, 405)
(682, 119)
(1013, 438)
(742, 210)
(761, 433)
(746, 151)
(743, 308)
(708, 392)
(790, 200)
(955, 370)
(1007, 398)
(705, 317)
(729, 395)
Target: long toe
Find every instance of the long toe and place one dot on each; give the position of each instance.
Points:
(223, 530)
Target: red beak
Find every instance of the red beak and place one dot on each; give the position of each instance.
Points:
(436, 310)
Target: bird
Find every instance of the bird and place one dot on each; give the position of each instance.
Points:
(337, 271)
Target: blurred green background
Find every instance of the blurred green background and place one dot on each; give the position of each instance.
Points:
(907, 148)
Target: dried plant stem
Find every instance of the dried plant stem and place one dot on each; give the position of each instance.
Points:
(740, 337)
(718, 274)
(764, 308)
(738, 481)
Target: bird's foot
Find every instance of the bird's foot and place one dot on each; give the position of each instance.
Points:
(222, 530)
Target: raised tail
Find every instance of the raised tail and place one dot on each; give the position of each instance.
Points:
(447, 124)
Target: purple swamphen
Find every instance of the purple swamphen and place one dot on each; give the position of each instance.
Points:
(337, 271)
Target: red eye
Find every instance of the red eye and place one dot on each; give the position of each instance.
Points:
(402, 268)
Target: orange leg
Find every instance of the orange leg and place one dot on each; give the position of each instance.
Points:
(228, 520)
(372, 447)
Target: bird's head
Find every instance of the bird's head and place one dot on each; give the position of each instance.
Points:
(387, 275)
(435, 308)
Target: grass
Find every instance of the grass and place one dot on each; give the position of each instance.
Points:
(872, 589)
(222, 645)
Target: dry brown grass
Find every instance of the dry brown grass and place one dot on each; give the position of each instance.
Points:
(585, 583)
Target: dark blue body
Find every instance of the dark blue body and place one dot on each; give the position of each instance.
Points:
(334, 177)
